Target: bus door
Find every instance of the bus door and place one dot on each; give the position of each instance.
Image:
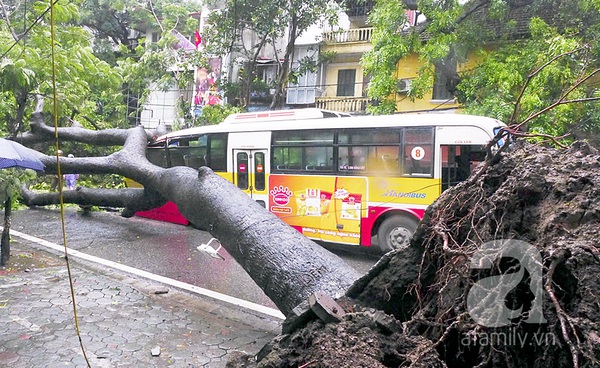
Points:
(461, 150)
(458, 162)
(250, 173)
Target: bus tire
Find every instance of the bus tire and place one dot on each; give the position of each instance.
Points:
(396, 232)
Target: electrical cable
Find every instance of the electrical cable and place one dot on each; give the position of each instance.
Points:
(29, 28)
(60, 179)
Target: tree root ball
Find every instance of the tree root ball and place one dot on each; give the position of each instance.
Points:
(503, 271)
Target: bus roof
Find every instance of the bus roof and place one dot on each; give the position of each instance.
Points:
(278, 115)
(362, 121)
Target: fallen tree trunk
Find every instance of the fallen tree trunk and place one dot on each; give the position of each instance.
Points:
(287, 266)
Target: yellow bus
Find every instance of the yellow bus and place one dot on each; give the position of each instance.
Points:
(356, 180)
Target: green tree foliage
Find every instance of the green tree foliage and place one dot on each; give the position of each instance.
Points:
(11, 181)
(546, 46)
(100, 53)
(215, 114)
(28, 66)
(390, 44)
(122, 23)
(99, 47)
(247, 27)
(119, 30)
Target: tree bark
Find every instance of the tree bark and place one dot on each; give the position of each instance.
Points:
(5, 242)
(287, 266)
(284, 72)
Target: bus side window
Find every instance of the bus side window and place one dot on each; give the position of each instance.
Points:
(354, 159)
(194, 161)
(177, 159)
(386, 160)
(177, 150)
(418, 151)
(369, 151)
(287, 158)
(217, 154)
(413, 165)
(195, 158)
(343, 159)
(157, 156)
(308, 151)
(278, 159)
(317, 158)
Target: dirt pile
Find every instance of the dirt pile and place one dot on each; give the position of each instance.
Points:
(503, 271)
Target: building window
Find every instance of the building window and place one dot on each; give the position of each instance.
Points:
(303, 92)
(345, 82)
(442, 88)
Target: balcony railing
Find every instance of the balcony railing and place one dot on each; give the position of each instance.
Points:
(343, 104)
(348, 35)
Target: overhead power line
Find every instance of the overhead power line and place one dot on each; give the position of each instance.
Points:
(28, 29)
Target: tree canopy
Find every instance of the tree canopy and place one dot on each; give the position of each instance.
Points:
(75, 74)
(548, 47)
(248, 27)
(99, 50)
(119, 30)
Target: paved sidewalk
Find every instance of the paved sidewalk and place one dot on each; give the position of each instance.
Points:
(123, 319)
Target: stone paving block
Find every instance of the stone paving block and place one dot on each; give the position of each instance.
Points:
(212, 340)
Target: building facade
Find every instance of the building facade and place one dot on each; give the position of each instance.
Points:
(338, 83)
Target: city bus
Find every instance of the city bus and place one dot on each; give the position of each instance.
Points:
(355, 180)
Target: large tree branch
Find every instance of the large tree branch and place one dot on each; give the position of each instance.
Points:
(529, 79)
(40, 132)
(131, 199)
(258, 240)
(562, 100)
(287, 266)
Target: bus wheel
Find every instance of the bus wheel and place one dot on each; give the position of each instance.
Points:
(396, 232)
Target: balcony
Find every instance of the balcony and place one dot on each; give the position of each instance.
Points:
(348, 35)
(353, 105)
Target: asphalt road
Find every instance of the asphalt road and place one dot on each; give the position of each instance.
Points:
(164, 249)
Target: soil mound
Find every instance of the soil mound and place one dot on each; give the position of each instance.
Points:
(503, 271)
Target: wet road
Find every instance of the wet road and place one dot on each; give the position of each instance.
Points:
(164, 249)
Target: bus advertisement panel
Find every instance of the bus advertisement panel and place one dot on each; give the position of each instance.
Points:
(326, 208)
(343, 209)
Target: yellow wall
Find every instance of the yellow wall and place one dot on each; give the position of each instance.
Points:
(348, 56)
(408, 68)
(349, 48)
